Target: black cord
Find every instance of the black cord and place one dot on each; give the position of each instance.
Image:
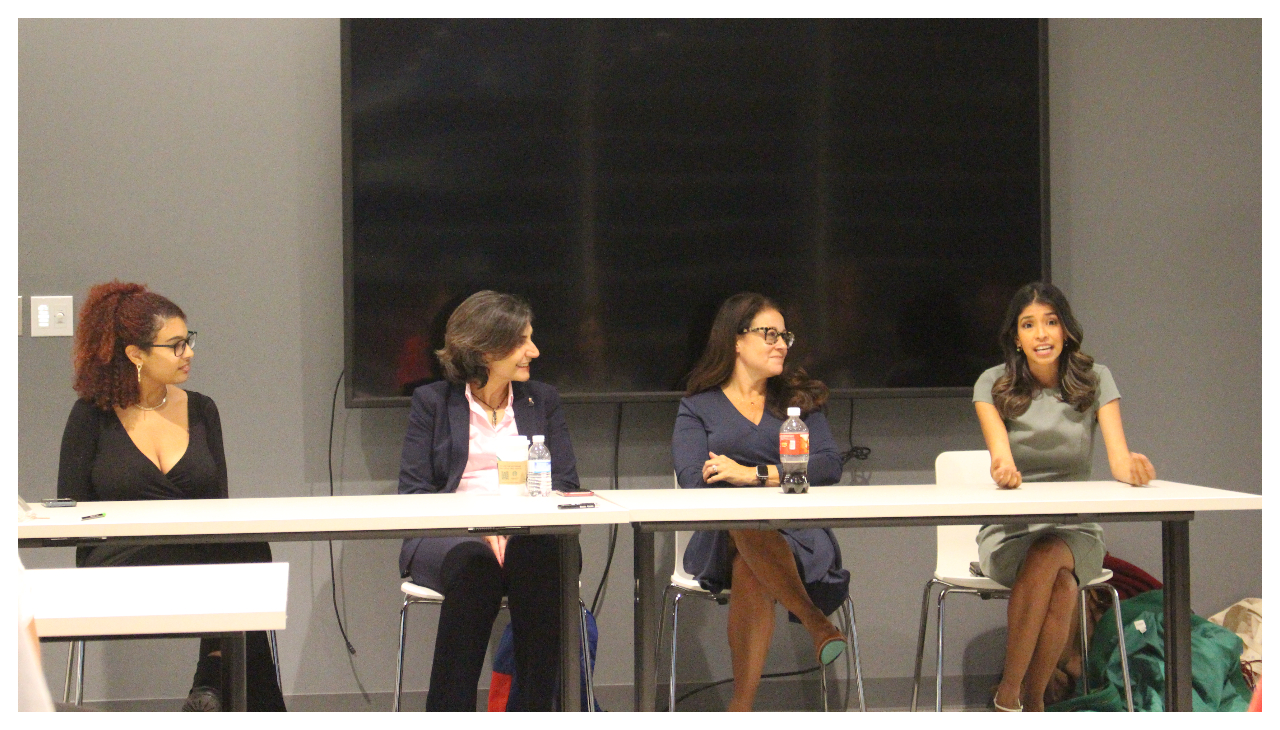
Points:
(333, 580)
(695, 691)
(613, 529)
(861, 453)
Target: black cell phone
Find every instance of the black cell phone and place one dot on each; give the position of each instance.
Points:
(577, 505)
(58, 502)
(975, 569)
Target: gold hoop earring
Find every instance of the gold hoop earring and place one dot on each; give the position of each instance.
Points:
(139, 374)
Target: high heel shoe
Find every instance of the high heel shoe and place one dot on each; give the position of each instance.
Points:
(1001, 708)
(831, 645)
(831, 649)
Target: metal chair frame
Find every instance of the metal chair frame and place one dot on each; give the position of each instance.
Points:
(973, 467)
(1003, 593)
(431, 597)
(75, 668)
(847, 617)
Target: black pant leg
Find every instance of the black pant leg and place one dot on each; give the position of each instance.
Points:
(532, 568)
(473, 592)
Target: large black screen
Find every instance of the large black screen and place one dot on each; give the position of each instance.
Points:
(881, 179)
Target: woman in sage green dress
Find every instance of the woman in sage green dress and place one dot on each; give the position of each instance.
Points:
(1039, 412)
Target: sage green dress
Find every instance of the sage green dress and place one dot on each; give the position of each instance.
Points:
(1051, 442)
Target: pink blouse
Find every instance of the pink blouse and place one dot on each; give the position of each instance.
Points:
(481, 474)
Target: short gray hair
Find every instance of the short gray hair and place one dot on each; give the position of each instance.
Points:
(486, 323)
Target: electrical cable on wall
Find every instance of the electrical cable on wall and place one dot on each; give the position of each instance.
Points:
(333, 580)
(861, 453)
(613, 529)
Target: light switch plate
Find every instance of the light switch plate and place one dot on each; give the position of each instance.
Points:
(51, 317)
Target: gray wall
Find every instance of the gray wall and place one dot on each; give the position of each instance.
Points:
(204, 159)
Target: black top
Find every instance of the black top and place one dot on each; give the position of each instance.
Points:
(99, 461)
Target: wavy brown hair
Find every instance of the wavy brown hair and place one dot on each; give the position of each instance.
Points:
(486, 323)
(1013, 391)
(792, 388)
(115, 315)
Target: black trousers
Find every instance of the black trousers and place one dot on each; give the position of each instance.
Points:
(262, 692)
(474, 584)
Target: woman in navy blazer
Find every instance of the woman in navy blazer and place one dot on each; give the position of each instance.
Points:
(450, 447)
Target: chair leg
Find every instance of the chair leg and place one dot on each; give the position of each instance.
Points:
(942, 598)
(675, 626)
(826, 705)
(404, 609)
(71, 663)
(1124, 652)
(924, 625)
(587, 670)
(79, 700)
(275, 658)
(1084, 641)
(857, 654)
(662, 625)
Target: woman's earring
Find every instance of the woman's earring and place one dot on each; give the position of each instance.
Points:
(139, 373)
(140, 367)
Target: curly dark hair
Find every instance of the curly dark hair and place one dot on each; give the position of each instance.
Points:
(486, 323)
(1013, 391)
(792, 388)
(115, 315)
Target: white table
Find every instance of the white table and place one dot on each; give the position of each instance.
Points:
(164, 601)
(378, 517)
(1174, 505)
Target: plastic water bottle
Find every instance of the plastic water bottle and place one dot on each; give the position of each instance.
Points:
(539, 479)
(793, 447)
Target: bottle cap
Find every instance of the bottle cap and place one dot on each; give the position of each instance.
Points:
(792, 411)
(539, 439)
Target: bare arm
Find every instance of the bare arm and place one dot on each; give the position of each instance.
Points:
(1126, 466)
(1003, 470)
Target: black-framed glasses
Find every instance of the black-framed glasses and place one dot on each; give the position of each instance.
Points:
(181, 346)
(771, 335)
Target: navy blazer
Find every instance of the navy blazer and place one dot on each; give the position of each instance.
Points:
(437, 442)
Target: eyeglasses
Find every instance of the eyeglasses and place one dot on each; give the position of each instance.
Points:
(181, 346)
(771, 335)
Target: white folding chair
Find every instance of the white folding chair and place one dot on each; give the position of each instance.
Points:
(682, 584)
(958, 547)
(415, 594)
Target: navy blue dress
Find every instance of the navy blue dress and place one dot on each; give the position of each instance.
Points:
(709, 422)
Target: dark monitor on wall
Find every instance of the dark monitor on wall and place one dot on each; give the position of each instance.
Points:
(885, 181)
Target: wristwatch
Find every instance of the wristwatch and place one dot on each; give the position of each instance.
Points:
(762, 475)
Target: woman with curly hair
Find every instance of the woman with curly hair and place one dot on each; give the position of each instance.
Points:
(726, 435)
(1039, 411)
(135, 434)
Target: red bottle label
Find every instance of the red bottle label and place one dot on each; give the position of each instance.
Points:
(793, 444)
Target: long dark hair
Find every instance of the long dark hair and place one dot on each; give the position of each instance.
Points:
(793, 387)
(1013, 391)
(486, 323)
(115, 315)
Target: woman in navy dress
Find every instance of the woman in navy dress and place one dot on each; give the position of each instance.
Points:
(726, 435)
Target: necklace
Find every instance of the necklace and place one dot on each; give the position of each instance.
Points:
(157, 406)
(493, 412)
